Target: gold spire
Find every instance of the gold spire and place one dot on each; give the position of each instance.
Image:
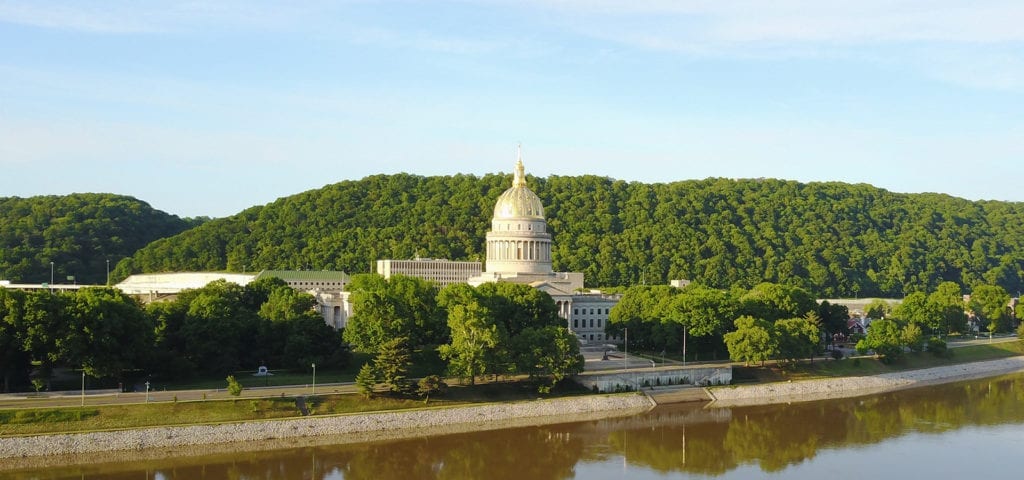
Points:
(519, 180)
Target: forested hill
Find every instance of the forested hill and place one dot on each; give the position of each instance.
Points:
(834, 239)
(78, 233)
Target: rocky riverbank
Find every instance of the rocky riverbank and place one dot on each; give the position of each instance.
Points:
(820, 389)
(342, 428)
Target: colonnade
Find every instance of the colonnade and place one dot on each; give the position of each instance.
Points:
(539, 250)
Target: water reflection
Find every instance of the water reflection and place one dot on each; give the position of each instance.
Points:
(667, 441)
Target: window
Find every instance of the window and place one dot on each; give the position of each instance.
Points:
(599, 323)
(599, 337)
(591, 324)
(575, 311)
(591, 311)
(591, 337)
(575, 324)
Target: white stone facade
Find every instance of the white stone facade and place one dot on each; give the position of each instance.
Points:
(440, 271)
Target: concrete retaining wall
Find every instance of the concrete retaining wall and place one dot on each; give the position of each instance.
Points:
(633, 380)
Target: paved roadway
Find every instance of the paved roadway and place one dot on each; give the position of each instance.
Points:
(107, 397)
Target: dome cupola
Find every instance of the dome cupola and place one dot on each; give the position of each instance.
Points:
(518, 201)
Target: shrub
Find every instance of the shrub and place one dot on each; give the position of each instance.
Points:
(837, 354)
(431, 385)
(937, 346)
(234, 388)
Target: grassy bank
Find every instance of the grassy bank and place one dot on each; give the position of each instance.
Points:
(871, 366)
(113, 417)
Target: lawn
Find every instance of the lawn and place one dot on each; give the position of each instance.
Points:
(871, 366)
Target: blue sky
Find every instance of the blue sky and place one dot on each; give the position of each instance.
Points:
(207, 108)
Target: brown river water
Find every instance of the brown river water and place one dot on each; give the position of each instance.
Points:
(969, 430)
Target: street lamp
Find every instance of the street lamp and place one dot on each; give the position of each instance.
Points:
(51, 275)
(108, 272)
(314, 379)
(83, 386)
(147, 392)
(625, 349)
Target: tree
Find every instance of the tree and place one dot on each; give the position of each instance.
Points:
(392, 364)
(15, 361)
(916, 309)
(797, 338)
(234, 388)
(284, 304)
(885, 338)
(948, 302)
(398, 307)
(912, 337)
(366, 380)
(772, 301)
(703, 311)
(547, 351)
(474, 335)
(46, 325)
(990, 304)
(108, 332)
(519, 306)
(752, 341)
(877, 309)
(430, 385)
(218, 334)
(642, 310)
(834, 318)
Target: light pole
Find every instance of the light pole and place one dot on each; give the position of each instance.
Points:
(147, 392)
(314, 379)
(625, 349)
(108, 272)
(684, 345)
(83, 386)
(51, 274)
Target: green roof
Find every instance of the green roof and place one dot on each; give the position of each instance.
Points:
(305, 275)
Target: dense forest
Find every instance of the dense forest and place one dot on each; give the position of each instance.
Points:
(78, 233)
(833, 239)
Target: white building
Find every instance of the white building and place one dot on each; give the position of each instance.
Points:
(441, 271)
(326, 286)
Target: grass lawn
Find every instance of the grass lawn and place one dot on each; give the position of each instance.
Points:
(424, 362)
(871, 366)
(112, 417)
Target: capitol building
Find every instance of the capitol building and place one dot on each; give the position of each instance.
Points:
(519, 251)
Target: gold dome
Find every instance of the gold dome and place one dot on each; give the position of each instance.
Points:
(518, 201)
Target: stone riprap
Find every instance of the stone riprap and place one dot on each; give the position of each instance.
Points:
(482, 417)
(819, 389)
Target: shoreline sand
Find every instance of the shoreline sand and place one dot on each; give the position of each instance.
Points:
(844, 387)
(341, 428)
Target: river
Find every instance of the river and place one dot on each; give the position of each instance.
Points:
(967, 430)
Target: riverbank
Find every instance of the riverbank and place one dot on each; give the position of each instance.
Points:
(179, 440)
(855, 386)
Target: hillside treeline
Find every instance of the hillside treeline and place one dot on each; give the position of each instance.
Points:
(78, 233)
(833, 239)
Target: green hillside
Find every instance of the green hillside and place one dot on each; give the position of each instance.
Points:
(833, 239)
(78, 233)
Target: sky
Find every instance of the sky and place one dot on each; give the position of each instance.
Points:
(205, 108)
